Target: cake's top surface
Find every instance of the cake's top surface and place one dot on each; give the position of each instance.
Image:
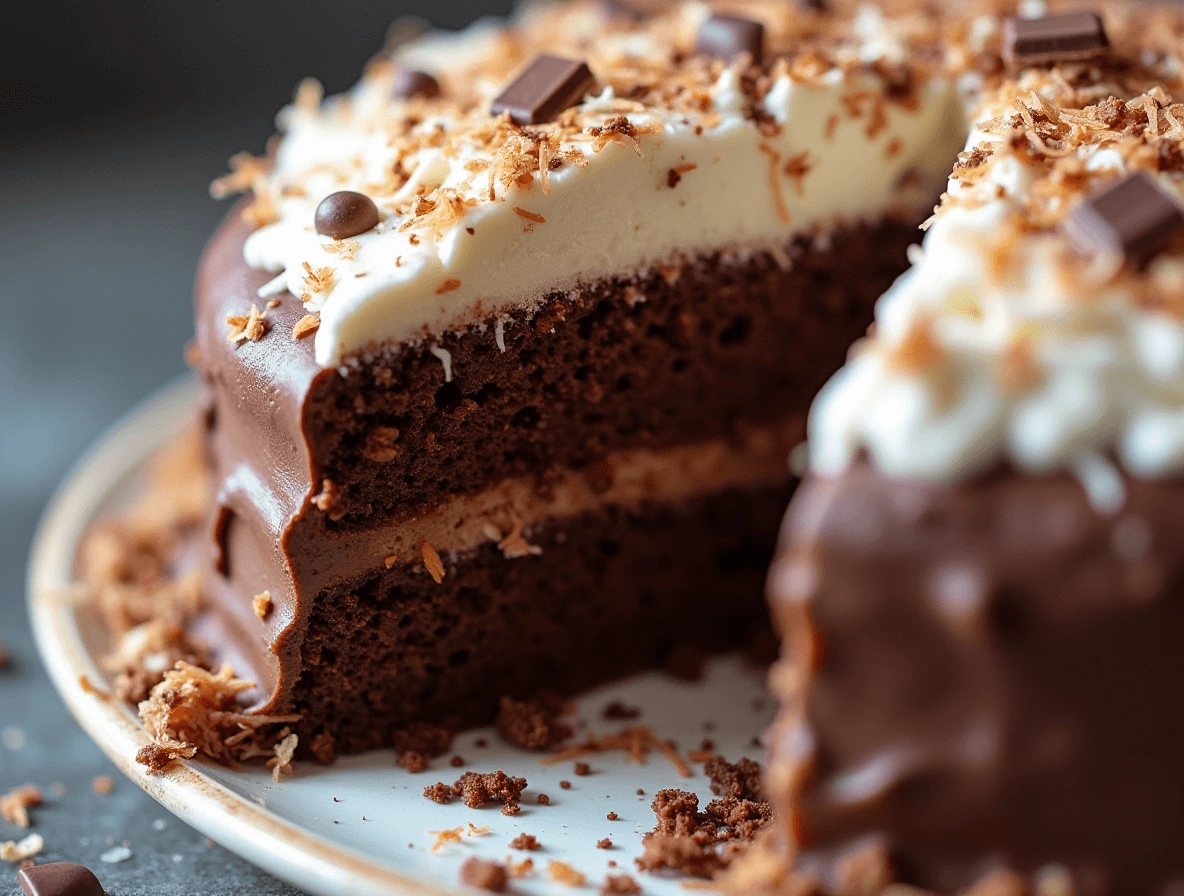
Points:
(1040, 325)
(685, 133)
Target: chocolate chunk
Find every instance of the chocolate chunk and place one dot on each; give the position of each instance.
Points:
(1054, 38)
(1133, 217)
(410, 83)
(726, 37)
(59, 879)
(549, 85)
(345, 214)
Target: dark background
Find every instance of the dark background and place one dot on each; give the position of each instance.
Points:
(114, 118)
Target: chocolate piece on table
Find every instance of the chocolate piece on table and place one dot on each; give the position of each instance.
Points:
(726, 37)
(345, 213)
(410, 83)
(59, 879)
(1063, 37)
(549, 85)
(1133, 217)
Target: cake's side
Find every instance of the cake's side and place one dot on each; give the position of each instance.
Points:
(980, 676)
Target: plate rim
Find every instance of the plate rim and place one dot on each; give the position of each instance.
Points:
(280, 847)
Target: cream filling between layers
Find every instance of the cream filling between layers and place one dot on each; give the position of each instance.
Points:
(754, 457)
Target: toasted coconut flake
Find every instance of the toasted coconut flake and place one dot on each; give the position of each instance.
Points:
(565, 874)
(11, 851)
(432, 562)
(307, 325)
(262, 605)
(15, 805)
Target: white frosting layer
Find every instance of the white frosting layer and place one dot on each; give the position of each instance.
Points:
(1048, 364)
(610, 216)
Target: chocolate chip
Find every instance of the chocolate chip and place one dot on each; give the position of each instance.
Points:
(1133, 217)
(345, 214)
(549, 85)
(59, 879)
(1054, 38)
(410, 83)
(726, 37)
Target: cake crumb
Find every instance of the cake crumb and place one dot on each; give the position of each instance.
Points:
(619, 885)
(439, 793)
(484, 874)
(612, 816)
(457, 761)
(102, 785)
(704, 843)
(544, 800)
(563, 873)
(531, 724)
(413, 760)
(262, 605)
(528, 842)
(582, 769)
(432, 562)
(565, 785)
(606, 843)
(477, 789)
(15, 805)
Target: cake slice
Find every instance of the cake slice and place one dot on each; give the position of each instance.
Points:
(507, 350)
(979, 584)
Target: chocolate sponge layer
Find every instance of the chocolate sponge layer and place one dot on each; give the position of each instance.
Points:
(307, 458)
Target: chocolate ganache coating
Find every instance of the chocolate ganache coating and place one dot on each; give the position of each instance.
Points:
(983, 674)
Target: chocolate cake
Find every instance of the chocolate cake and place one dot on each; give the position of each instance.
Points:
(506, 351)
(980, 582)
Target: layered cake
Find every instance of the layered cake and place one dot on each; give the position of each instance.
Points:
(507, 349)
(979, 583)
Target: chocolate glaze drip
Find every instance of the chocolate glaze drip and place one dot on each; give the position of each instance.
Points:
(983, 674)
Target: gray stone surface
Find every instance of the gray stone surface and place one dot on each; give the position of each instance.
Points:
(98, 243)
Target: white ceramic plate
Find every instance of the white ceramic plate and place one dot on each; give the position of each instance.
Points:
(362, 825)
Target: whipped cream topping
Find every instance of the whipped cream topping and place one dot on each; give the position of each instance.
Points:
(1001, 344)
(618, 184)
